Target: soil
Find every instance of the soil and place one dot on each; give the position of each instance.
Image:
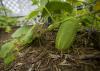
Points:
(42, 55)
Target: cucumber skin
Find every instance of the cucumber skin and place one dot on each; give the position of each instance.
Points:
(66, 34)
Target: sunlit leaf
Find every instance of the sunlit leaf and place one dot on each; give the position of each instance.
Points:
(30, 35)
(34, 1)
(9, 58)
(6, 48)
(20, 32)
(33, 14)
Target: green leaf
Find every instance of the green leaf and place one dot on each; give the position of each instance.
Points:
(6, 48)
(29, 36)
(35, 1)
(86, 20)
(8, 29)
(9, 58)
(39, 2)
(90, 1)
(59, 7)
(20, 32)
(32, 14)
(53, 26)
(72, 1)
(66, 34)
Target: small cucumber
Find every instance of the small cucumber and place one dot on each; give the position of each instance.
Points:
(66, 34)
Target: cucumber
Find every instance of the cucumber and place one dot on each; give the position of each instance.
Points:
(66, 34)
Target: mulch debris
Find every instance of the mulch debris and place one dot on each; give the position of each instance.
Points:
(43, 56)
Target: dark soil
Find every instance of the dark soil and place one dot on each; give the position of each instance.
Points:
(41, 55)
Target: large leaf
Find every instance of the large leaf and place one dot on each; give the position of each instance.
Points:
(57, 7)
(30, 35)
(66, 34)
(9, 58)
(20, 32)
(6, 48)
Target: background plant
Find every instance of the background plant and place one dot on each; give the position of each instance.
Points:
(6, 21)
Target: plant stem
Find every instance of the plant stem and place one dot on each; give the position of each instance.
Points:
(73, 17)
(49, 13)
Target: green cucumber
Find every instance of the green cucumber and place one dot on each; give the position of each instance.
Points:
(66, 34)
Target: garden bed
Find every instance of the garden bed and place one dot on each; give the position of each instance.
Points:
(41, 55)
